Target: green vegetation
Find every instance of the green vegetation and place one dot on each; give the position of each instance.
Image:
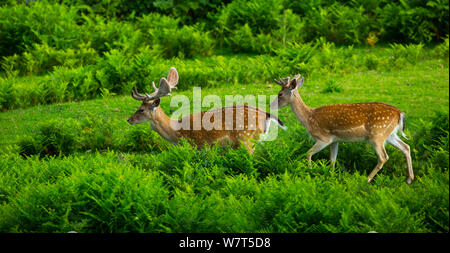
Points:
(70, 161)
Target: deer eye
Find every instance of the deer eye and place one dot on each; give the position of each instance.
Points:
(141, 110)
(279, 94)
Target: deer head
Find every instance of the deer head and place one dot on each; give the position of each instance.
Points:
(150, 102)
(286, 95)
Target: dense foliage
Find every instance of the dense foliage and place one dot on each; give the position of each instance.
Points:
(81, 49)
(181, 189)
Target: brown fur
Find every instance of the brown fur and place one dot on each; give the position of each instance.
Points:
(234, 135)
(247, 134)
(328, 125)
(247, 122)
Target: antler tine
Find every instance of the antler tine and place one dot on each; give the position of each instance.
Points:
(282, 81)
(136, 95)
(285, 80)
(163, 90)
(277, 82)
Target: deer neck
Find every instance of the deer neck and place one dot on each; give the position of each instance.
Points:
(161, 124)
(300, 109)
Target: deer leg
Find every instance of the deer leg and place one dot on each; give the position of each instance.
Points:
(318, 146)
(395, 141)
(333, 153)
(249, 148)
(382, 158)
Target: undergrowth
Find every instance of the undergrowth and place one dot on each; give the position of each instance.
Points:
(220, 189)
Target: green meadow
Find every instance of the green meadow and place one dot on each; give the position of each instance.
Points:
(69, 161)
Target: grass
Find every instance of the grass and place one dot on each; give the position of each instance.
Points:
(110, 179)
(414, 90)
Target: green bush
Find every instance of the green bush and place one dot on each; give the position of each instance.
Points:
(142, 139)
(96, 133)
(53, 138)
(185, 42)
(65, 137)
(413, 21)
(241, 39)
(8, 98)
(291, 28)
(261, 16)
(410, 53)
(332, 86)
(112, 193)
(74, 196)
(297, 57)
(40, 59)
(182, 189)
(105, 35)
(338, 23)
(40, 22)
(442, 49)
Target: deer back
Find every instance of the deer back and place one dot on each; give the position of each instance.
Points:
(355, 120)
(233, 123)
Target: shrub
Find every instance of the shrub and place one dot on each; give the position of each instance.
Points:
(297, 57)
(81, 82)
(331, 86)
(68, 136)
(442, 49)
(261, 16)
(116, 9)
(96, 133)
(42, 58)
(40, 22)
(241, 39)
(264, 44)
(142, 139)
(52, 138)
(185, 42)
(91, 193)
(430, 20)
(291, 28)
(371, 61)
(337, 23)
(8, 96)
(411, 53)
(28, 146)
(105, 35)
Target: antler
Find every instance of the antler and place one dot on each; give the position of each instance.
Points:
(138, 96)
(285, 81)
(165, 87)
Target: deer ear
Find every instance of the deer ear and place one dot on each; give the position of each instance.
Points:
(296, 83)
(156, 103)
(300, 82)
(292, 84)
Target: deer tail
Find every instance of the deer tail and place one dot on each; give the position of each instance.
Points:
(401, 124)
(271, 117)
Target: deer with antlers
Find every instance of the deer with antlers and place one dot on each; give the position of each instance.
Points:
(248, 127)
(375, 122)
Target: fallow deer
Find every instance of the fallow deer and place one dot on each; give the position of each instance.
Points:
(375, 122)
(253, 122)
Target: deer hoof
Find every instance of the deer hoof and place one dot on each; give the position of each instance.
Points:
(409, 180)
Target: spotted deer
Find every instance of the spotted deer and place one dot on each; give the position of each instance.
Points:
(245, 129)
(328, 125)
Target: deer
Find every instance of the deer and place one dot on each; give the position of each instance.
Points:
(374, 122)
(246, 129)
